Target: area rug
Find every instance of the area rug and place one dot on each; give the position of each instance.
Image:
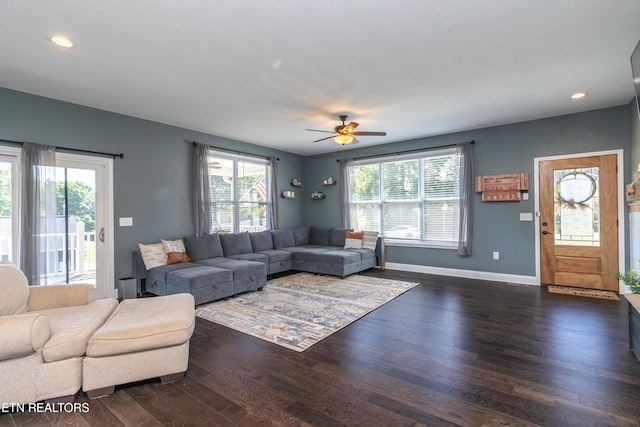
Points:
(298, 310)
(590, 293)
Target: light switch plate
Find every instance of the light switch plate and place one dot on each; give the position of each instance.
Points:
(126, 221)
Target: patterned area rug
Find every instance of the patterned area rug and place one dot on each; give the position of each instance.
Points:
(590, 293)
(298, 310)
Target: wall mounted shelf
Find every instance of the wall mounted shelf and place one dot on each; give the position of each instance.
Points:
(296, 183)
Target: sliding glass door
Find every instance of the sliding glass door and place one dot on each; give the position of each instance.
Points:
(79, 244)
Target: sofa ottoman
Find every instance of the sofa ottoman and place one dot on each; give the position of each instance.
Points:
(203, 282)
(339, 263)
(144, 338)
(156, 278)
(247, 275)
(278, 260)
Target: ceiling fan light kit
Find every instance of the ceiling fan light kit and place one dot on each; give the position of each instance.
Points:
(344, 134)
(343, 139)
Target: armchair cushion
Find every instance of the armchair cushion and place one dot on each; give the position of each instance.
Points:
(56, 296)
(261, 241)
(71, 328)
(319, 236)
(22, 334)
(14, 289)
(337, 236)
(203, 247)
(235, 244)
(301, 236)
(282, 238)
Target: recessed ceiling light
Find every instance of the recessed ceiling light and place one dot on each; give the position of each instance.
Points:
(62, 41)
(578, 95)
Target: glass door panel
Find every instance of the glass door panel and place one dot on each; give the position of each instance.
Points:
(577, 207)
(72, 256)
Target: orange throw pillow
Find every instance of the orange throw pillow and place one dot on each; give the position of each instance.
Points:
(177, 257)
(354, 235)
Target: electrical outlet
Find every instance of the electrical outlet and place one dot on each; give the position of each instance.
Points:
(496, 255)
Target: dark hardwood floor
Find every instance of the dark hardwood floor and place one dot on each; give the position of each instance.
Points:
(450, 352)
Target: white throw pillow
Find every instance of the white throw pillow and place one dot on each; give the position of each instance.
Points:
(153, 255)
(370, 240)
(173, 245)
(352, 243)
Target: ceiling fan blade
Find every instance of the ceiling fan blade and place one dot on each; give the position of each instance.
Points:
(350, 127)
(370, 133)
(354, 141)
(329, 137)
(316, 130)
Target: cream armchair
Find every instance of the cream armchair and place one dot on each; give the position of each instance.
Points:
(44, 331)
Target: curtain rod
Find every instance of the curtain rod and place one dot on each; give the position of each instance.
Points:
(73, 150)
(417, 150)
(234, 151)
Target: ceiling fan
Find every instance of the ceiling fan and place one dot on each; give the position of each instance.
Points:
(344, 134)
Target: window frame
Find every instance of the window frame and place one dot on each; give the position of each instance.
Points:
(421, 200)
(214, 155)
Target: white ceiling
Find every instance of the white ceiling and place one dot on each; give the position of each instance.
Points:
(263, 71)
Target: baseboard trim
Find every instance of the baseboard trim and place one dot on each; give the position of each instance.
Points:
(468, 274)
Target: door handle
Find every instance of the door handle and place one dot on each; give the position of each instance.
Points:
(101, 235)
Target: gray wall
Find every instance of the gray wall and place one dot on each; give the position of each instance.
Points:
(501, 149)
(152, 182)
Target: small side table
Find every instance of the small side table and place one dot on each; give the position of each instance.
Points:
(127, 288)
(633, 301)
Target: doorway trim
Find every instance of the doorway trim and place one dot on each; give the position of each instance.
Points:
(106, 287)
(621, 202)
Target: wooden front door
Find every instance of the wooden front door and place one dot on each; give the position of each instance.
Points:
(579, 222)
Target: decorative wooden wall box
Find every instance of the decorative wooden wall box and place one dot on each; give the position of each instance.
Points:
(502, 188)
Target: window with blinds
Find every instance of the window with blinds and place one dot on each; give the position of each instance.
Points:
(413, 198)
(239, 192)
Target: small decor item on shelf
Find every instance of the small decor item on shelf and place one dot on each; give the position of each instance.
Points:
(329, 181)
(287, 194)
(317, 195)
(296, 183)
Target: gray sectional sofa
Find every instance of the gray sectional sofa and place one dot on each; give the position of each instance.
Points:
(224, 265)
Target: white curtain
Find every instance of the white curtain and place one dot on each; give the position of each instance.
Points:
(38, 249)
(201, 190)
(273, 187)
(466, 198)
